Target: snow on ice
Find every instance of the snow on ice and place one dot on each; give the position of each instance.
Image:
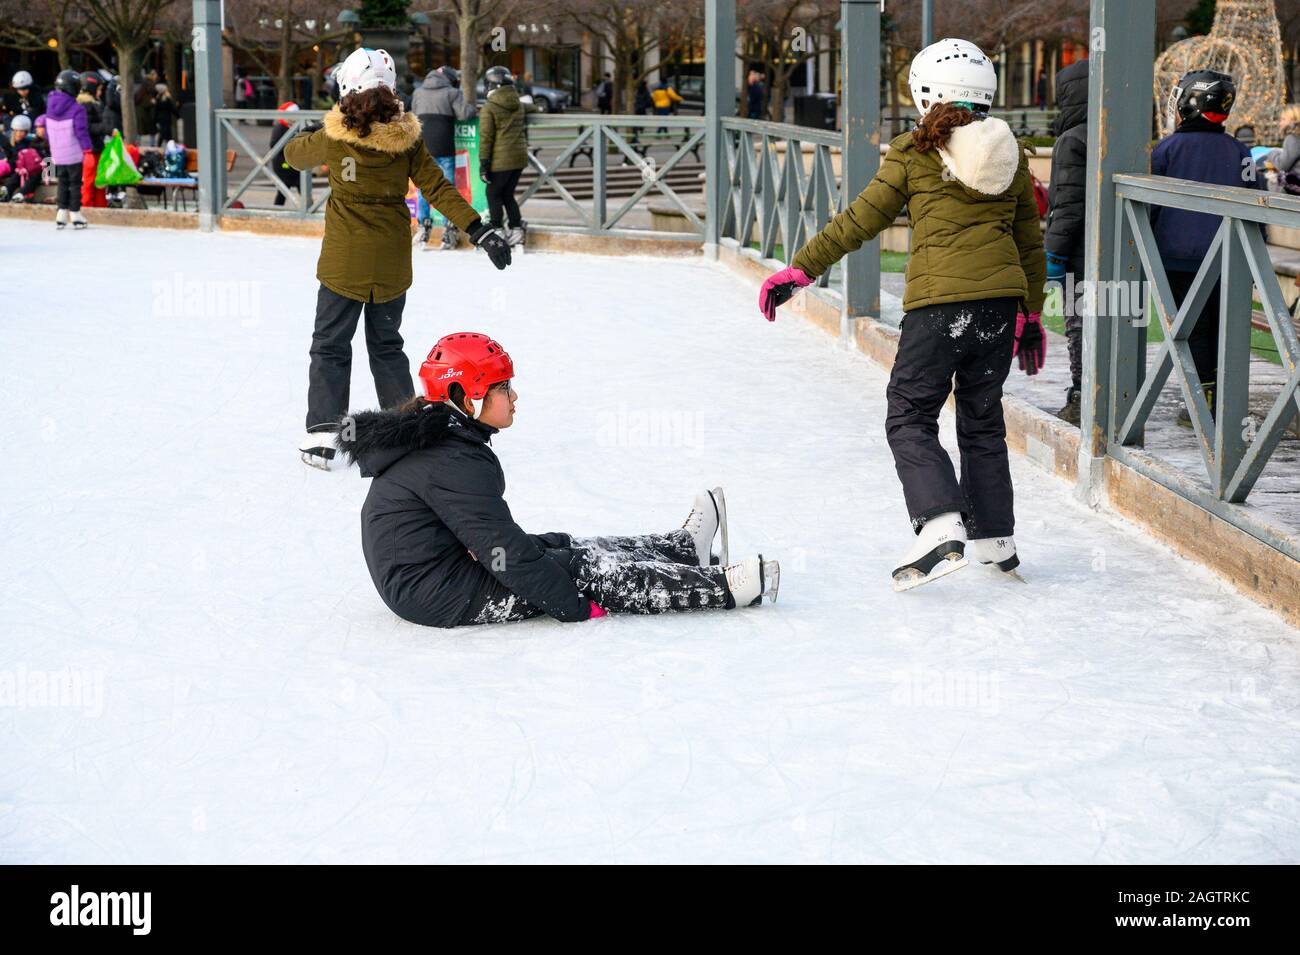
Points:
(196, 666)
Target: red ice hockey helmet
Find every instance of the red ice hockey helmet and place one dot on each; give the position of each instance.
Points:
(469, 359)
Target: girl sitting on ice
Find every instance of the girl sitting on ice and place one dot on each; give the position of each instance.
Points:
(974, 293)
(373, 149)
(444, 551)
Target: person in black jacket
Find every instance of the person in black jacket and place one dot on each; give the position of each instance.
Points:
(443, 549)
(1063, 238)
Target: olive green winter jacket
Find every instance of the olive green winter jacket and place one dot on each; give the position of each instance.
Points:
(975, 231)
(366, 252)
(502, 139)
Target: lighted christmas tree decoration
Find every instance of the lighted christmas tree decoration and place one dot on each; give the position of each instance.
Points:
(1243, 42)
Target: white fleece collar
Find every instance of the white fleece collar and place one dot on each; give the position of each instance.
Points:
(983, 155)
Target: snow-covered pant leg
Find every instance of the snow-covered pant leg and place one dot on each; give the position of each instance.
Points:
(981, 427)
(676, 547)
(620, 585)
(972, 340)
(1074, 326)
(388, 361)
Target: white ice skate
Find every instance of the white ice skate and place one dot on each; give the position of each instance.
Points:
(753, 579)
(516, 236)
(61, 219)
(421, 240)
(999, 551)
(937, 551)
(450, 237)
(78, 220)
(319, 450)
(708, 516)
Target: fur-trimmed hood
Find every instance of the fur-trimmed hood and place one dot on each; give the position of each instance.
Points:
(394, 138)
(378, 439)
(983, 156)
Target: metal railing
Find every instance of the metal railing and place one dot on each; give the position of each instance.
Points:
(776, 195)
(308, 201)
(1234, 447)
(595, 138)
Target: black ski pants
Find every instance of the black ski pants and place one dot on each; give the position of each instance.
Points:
(330, 376)
(971, 342)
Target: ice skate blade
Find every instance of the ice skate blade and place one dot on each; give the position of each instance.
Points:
(909, 578)
(771, 577)
(723, 557)
(317, 462)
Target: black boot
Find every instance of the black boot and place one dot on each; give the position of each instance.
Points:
(1069, 413)
(1184, 419)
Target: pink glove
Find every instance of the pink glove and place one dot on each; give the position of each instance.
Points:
(778, 288)
(597, 611)
(1031, 343)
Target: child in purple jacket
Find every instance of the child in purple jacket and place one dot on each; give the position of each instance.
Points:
(68, 133)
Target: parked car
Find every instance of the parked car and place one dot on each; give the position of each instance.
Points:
(547, 99)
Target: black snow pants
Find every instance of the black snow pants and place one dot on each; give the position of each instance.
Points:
(650, 574)
(1203, 342)
(973, 341)
(331, 355)
(68, 176)
(501, 198)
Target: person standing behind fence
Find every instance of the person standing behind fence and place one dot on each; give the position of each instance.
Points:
(438, 104)
(503, 151)
(1200, 150)
(605, 95)
(26, 99)
(1063, 238)
(68, 132)
(754, 95)
(373, 149)
(283, 171)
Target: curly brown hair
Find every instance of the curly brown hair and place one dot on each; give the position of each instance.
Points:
(936, 126)
(368, 107)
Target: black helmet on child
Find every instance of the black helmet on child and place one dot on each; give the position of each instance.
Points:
(451, 75)
(1207, 93)
(90, 81)
(69, 81)
(497, 77)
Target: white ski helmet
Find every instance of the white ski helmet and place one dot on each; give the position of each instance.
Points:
(22, 80)
(364, 69)
(952, 71)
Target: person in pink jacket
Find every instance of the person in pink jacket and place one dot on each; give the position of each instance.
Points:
(68, 132)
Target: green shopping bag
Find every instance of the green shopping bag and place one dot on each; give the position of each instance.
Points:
(115, 165)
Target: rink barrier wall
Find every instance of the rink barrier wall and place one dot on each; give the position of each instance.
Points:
(147, 218)
(1260, 572)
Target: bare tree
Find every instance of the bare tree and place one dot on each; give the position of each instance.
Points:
(31, 24)
(276, 32)
(479, 23)
(629, 30)
(781, 35)
(127, 24)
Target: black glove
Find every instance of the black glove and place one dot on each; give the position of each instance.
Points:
(484, 172)
(490, 241)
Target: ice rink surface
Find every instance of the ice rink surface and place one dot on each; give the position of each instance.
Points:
(240, 694)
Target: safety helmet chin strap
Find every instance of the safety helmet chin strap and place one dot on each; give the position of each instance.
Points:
(476, 405)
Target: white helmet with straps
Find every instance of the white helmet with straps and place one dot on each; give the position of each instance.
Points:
(22, 80)
(364, 69)
(952, 71)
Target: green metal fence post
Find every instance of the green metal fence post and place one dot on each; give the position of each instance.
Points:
(1121, 51)
(860, 43)
(205, 40)
(719, 101)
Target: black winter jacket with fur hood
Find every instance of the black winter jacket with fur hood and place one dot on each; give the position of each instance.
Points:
(435, 527)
